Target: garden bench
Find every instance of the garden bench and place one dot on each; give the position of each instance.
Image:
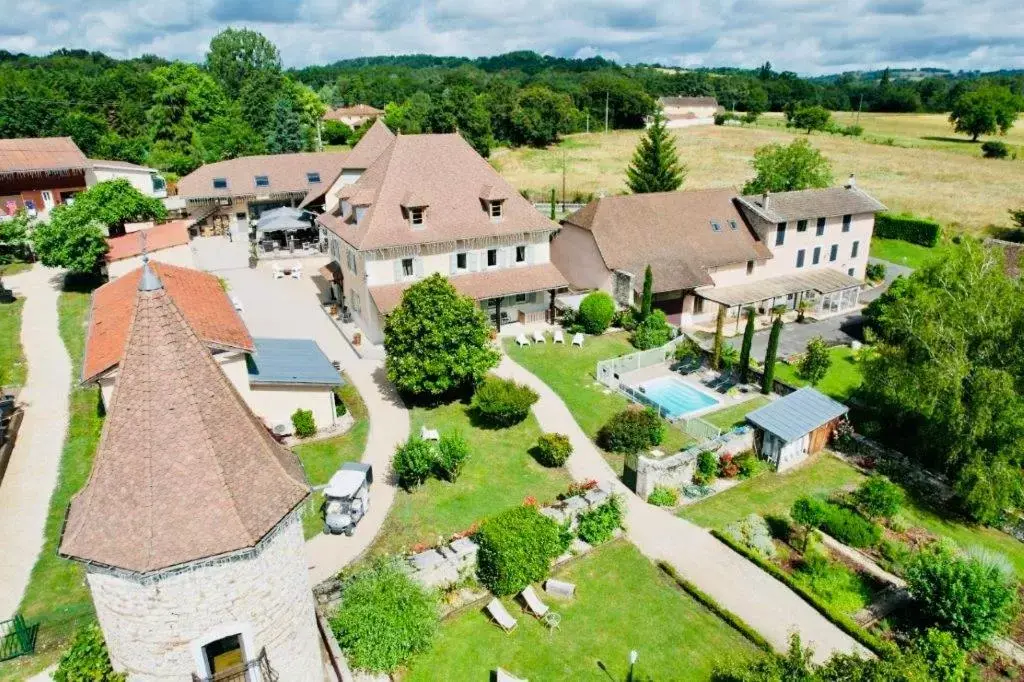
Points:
(501, 616)
(521, 340)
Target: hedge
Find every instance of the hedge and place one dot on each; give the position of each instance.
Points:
(907, 227)
(710, 604)
(875, 644)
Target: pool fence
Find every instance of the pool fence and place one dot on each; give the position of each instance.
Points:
(610, 371)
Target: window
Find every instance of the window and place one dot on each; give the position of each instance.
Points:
(520, 254)
(821, 227)
(495, 209)
(492, 258)
(262, 181)
(698, 305)
(416, 216)
(780, 234)
(353, 299)
(159, 184)
(816, 256)
(750, 267)
(346, 208)
(460, 261)
(733, 225)
(846, 222)
(352, 262)
(360, 212)
(850, 272)
(834, 253)
(715, 227)
(407, 267)
(220, 183)
(800, 258)
(312, 178)
(853, 251)
(224, 654)
(801, 226)
(520, 298)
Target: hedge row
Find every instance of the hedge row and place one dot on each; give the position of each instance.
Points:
(875, 644)
(710, 604)
(908, 228)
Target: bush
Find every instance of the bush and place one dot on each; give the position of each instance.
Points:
(599, 524)
(303, 423)
(947, 662)
(654, 331)
(336, 132)
(502, 402)
(596, 312)
(817, 360)
(414, 460)
(908, 228)
(553, 449)
(626, 319)
(687, 350)
(750, 118)
(516, 549)
(385, 618)
(340, 408)
(879, 498)
(631, 431)
(722, 117)
(727, 466)
(748, 463)
(707, 468)
(994, 149)
(843, 524)
(452, 453)
(663, 496)
(852, 131)
(754, 533)
(87, 659)
(875, 271)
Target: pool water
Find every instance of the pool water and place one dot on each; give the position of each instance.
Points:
(676, 397)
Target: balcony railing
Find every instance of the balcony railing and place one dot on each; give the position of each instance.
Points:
(255, 670)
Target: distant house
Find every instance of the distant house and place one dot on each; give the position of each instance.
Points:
(711, 248)
(788, 430)
(146, 180)
(353, 116)
(166, 243)
(681, 112)
(37, 174)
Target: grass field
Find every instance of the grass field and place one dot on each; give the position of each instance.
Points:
(842, 379)
(12, 359)
(734, 416)
(903, 253)
(622, 603)
(934, 178)
(13, 268)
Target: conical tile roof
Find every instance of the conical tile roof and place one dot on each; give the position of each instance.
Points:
(184, 470)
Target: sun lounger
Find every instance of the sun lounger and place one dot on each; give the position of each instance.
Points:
(577, 339)
(501, 616)
(501, 675)
(278, 272)
(538, 336)
(559, 336)
(559, 588)
(429, 434)
(533, 602)
(521, 340)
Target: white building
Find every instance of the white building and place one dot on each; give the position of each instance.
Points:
(146, 180)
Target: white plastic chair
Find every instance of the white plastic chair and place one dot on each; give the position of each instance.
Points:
(538, 336)
(297, 271)
(577, 339)
(559, 337)
(278, 272)
(501, 615)
(521, 340)
(502, 675)
(429, 434)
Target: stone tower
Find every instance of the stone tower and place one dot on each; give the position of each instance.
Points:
(189, 525)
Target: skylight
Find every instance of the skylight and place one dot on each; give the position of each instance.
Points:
(220, 183)
(732, 224)
(715, 227)
(312, 178)
(262, 181)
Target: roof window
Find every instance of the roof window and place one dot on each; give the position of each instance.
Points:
(312, 177)
(220, 183)
(733, 225)
(262, 181)
(715, 226)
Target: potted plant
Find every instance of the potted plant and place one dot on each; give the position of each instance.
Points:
(801, 308)
(253, 256)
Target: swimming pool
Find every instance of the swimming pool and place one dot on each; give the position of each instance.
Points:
(676, 397)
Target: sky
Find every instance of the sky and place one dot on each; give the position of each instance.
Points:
(805, 36)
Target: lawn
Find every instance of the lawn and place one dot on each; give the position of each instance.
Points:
(841, 380)
(622, 603)
(903, 253)
(734, 416)
(57, 595)
(500, 473)
(322, 458)
(11, 269)
(12, 359)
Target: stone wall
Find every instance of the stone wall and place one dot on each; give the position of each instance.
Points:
(155, 630)
(677, 470)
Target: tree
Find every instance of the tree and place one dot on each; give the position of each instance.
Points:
(878, 497)
(517, 547)
(655, 166)
(437, 340)
(552, 216)
(540, 116)
(648, 297)
(783, 169)
(228, 136)
(336, 132)
(770, 355)
(810, 118)
(459, 109)
(14, 241)
(87, 130)
(285, 134)
(652, 332)
(815, 363)
(596, 312)
(70, 240)
(236, 54)
(985, 110)
(409, 117)
(748, 341)
(716, 350)
(114, 203)
(87, 659)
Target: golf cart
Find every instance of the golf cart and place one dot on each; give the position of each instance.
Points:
(347, 497)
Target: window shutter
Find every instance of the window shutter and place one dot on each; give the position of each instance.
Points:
(472, 261)
(508, 254)
(417, 267)
(398, 269)
(453, 261)
(529, 254)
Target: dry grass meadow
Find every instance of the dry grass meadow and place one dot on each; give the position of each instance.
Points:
(925, 169)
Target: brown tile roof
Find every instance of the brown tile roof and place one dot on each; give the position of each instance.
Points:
(672, 232)
(805, 204)
(198, 294)
(184, 470)
(445, 174)
(688, 101)
(173, 233)
(366, 151)
(480, 285)
(354, 110)
(286, 173)
(1011, 254)
(40, 154)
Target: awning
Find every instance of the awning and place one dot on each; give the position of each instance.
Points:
(331, 272)
(822, 281)
(282, 219)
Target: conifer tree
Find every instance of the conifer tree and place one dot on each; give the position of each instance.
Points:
(285, 134)
(647, 302)
(716, 353)
(769, 356)
(748, 340)
(552, 204)
(655, 166)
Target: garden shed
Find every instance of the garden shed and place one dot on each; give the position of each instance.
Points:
(789, 429)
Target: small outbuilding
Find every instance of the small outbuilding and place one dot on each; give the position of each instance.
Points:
(290, 374)
(789, 429)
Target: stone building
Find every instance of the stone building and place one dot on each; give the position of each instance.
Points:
(189, 524)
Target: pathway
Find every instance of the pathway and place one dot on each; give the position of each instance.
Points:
(764, 603)
(35, 462)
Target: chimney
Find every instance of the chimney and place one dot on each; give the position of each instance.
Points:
(764, 200)
(852, 184)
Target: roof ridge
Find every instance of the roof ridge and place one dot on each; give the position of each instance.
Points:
(387, 156)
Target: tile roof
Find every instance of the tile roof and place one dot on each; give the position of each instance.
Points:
(797, 414)
(184, 470)
(448, 176)
(291, 361)
(354, 110)
(286, 174)
(40, 154)
(370, 146)
(198, 294)
(672, 232)
(688, 101)
(165, 236)
(812, 203)
(480, 285)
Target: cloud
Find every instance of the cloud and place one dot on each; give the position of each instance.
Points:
(806, 36)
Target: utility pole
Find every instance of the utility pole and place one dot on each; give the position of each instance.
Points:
(606, 112)
(859, 106)
(563, 180)
(319, 136)
(588, 120)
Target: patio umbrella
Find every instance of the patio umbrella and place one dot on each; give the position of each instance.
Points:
(283, 219)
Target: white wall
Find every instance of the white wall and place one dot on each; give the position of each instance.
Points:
(141, 180)
(785, 256)
(181, 255)
(347, 177)
(278, 403)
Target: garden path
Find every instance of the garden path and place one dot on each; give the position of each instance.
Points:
(764, 603)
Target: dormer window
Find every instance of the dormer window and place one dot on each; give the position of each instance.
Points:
(715, 226)
(360, 212)
(262, 181)
(733, 225)
(495, 210)
(416, 216)
(346, 208)
(313, 178)
(220, 183)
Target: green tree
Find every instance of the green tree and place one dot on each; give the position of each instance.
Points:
(748, 341)
(985, 110)
(259, 96)
(517, 547)
(716, 349)
(770, 356)
(87, 659)
(647, 300)
(878, 497)
(70, 240)
(114, 203)
(815, 363)
(655, 166)
(285, 134)
(810, 118)
(228, 136)
(540, 116)
(87, 130)
(437, 340)
(236, 54)
(336, 132)
(786, 168)
(552, 216)
(946, 661)
(460, 109)
(652, 332)
(409, 117)
(14, 241)
(597, 309)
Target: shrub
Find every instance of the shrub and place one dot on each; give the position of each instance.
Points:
(994, 149)
(707, 468)
(753, 532)
(687, 350)
(626, 319)
(875, 271)
(516, 549)
(553, 449)
(723, 116)
(850, 528)
(631, 431)
(815, 363)
(946, 661)
(727, 467)
(750, 118)
(385, 618)
(654, 331)
(596, 312)
(340, 408)
(87, 659)
(502, 402)
(663, 496)
(839, 586)
(303, 423)
(908, 228)
(414, 460)
(879, 498)
(452, 453)
(599, 524)
(852, 131)
(748, 463)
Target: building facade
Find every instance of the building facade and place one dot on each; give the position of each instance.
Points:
(354, 116)
(39, 174)
(146, 180)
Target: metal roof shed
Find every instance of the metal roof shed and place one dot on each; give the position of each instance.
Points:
(291, 361)
(795, 426)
